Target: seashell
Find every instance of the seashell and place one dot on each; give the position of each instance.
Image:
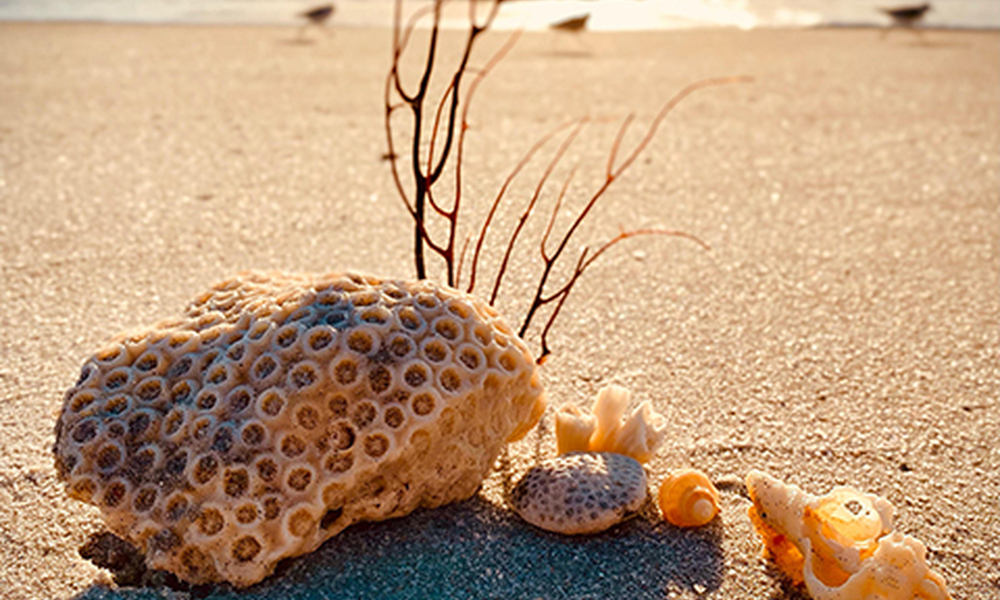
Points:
(841, 545)
(605, 431)
(688, 499)
(580, 493)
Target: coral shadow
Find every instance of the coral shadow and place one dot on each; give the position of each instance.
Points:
(474, 549)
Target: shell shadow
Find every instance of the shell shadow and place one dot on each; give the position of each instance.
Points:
(474, 549)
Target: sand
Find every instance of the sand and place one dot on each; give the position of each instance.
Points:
(843, 329)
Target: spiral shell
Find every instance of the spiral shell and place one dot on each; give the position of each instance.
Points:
(688, 499)
(841, 545)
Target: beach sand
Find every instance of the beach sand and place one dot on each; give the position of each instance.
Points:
(843, 328)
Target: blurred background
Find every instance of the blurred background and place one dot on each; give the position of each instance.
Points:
(616, 15)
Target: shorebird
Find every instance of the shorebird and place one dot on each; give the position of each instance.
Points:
(906, 16)
(317, 16)
(572, 24)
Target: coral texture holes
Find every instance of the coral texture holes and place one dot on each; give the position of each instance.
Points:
(222, 442)
(470, 357)
(236, 352)
(180, 368)
(305, 375)
(272, 508)
(85, 431)
(83, 489)
(401, 347)
(459, 309)
(182, 392)
(287, 336)
(410, 319)
(448, 328)
(210, 522)
(428, 302)
(116, 405)
(450, 380)
(376, 445)
(263, 368)
(114, 494)
(205, 469)
(376, 315)
(174, 421)
(239, 399)
(341, 436)
(339, 463)
(82, 400)
(435, 351)
(483, 335)
(148, 362)
(299, 479)
(292, 446)
(117, 379)
(346, 371)
(246, 514)
(319, 339)
(508, 361)
(144, 459)
(363, 415)
(236, 482)
(379, 379)
(361, 341)
(177, 507)
(267, 469)
(307, 417)
(246, 548)
(218, 374)
(115, 428)
(300, 523)
(337, 406)
(394, 417)
(108, 457)
(207, 400)
(416, 375)
(144, 500)
(271, 403)
(111, 354)
(423, 404)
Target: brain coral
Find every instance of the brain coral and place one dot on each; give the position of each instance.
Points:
(281, 408)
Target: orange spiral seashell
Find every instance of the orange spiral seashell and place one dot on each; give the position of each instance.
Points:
(688, 499)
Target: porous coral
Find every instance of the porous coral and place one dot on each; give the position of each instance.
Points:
(606, 430)
(580, 493)
(281, 408)
(841, 545)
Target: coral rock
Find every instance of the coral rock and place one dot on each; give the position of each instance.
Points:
(281, 408)
(687, 498)
(606, 430)
(580, 493)
(841, 545)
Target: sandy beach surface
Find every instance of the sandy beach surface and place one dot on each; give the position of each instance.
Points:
(843, 328)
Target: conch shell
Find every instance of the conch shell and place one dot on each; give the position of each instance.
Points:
(688, 499)
(840, 545)
(605, 431)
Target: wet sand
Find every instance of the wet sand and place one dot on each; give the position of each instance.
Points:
(843, 329)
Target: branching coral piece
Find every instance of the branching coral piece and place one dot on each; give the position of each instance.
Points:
(841, 545)
(605, 431)
(281, 408)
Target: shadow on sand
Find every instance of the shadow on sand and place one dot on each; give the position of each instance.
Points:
(474, 549)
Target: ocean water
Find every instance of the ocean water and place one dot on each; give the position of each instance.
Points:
(620, 15)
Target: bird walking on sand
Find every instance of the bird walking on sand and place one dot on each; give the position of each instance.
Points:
(906, 17)
(317, 16)
(573, 24)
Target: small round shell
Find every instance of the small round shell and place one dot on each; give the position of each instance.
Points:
(580, 493)
(688, 499)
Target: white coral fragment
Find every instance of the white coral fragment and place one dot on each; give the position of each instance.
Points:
(841, 545)
(638, 436)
